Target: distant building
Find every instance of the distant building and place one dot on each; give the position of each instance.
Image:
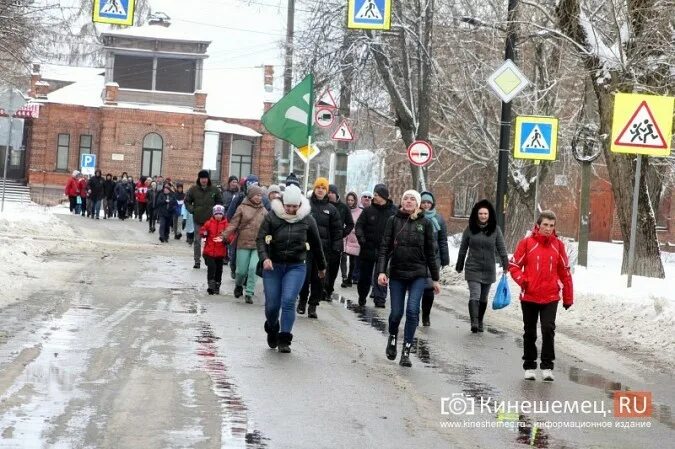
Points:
(154, 109)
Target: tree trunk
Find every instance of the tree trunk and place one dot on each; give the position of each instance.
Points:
(519, 214)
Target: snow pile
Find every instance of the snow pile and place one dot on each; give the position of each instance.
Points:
(637, 320)
(28, 232)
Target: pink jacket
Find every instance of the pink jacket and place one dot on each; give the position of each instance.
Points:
(351, 242)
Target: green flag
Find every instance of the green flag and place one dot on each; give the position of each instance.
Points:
(290, 119)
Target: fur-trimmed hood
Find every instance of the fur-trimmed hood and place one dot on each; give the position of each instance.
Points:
(304, 210)
(492, 220)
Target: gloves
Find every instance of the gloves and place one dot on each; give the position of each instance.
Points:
(567, 306)
(459, 267)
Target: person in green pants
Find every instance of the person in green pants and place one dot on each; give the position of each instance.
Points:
(246, 222)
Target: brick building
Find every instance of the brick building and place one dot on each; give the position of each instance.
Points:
(155, 108)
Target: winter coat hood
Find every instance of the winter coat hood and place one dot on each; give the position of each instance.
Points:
(492, 219)
(304, 210)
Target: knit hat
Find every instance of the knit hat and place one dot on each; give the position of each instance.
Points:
(321, 182)
(218, 209)
(254, 190)
(292, 195)
(414, 193)
(232, 178)
(427, 196)
(291, 179)
(273, 188)
(367, 193)
(251, 179)
(203, 174)
(75, 173)
(382, 190)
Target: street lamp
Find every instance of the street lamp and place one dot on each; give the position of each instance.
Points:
(585, 148)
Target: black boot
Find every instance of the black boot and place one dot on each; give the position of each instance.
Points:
(211, 289)
(405, 355)
(311, 312)
(302, 307)
(190, 239)
(216, 289)
(285, 339)
(391, 347)
(425, 320)
(473, 314)
(481, 314)
(238, 291)
(197, 265)
(272, 335)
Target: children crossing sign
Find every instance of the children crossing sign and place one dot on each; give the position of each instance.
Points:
(642, 124)
(369, 14)
(536, 138)
(115, 12)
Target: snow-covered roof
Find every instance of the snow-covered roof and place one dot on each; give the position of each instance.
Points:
(221, 126)
(86, 92)
(158, 32)
(71, 74)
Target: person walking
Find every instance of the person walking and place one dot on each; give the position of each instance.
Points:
(330, 230)
(151, 205)
(82, 185)
(282, 244)
(230, 191)
(166, 206)
(366, 199)
(72, 190)
(407, 257)
(368, 230)
(199, 201)
(541, 268)
(142, 197)
(96, 190)
(482, 238)
(347, 227)
(350, 257)
(246, 223)
(108, 196)
(178, 213)
(215, 248)
(442, 252)
(122, 195)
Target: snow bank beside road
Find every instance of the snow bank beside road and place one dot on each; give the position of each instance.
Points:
(638, 321)
(27, 233)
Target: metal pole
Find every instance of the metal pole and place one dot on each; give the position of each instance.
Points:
(10, 113)
(286, 150)
(536, 190)
(309, 144)
(583, 213)
(505, 122)
(633, 221)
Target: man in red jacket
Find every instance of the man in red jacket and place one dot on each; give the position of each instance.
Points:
(541, 268)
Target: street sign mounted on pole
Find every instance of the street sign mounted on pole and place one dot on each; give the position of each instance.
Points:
(326, 100)
(343, 133)
(536, 138)
(369, 14)
(115, 12)
(324, 117)
(420, 153)
(308, 152)
(87, 164)
(642, 124)
(507, 81)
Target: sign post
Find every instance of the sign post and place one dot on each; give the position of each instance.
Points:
(369, 14)
(88, 164)
(641, 125)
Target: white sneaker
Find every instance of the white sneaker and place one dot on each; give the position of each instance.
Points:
(530, 374)
(547, 375)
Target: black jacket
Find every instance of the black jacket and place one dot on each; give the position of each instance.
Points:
(151, 198)
(408, 248)
(109, 189)
(228, 195)
(289, 236)
(166, 204)
(346, 217)
(369, 228)
(95, 187)
(329, 223)
(122, 192)
(199, 201)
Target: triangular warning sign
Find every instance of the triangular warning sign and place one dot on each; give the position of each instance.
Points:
(641, 130)
(113, 7)
(344, 133)
(535, 140)
(369, 10)
(326, 99)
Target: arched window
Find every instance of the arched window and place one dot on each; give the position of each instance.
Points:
(152, 155)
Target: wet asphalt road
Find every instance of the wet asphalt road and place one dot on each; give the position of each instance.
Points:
(131, 353)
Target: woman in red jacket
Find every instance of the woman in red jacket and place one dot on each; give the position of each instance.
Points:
(540, 267)
(82, 183)
(73, 190)
(215, 248)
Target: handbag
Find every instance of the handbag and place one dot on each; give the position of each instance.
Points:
(502, 294)
(259, 269)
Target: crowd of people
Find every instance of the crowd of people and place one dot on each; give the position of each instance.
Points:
(299, 243)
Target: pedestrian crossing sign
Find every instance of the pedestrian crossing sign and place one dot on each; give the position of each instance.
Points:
(642, 124)
(369, 14)
(115, 12)
(536, 138)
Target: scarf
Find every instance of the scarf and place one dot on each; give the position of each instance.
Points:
(431, 216)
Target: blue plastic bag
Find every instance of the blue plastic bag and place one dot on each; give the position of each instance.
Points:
(502, 294)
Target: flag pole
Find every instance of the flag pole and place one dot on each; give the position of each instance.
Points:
(309, 145)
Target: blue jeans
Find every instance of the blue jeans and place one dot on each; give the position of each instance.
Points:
(398, 289)
(282, 286)
(97, 208)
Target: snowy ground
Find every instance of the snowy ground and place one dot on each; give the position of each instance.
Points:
(638, 321)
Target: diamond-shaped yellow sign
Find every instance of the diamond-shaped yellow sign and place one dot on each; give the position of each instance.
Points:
(308, 152)
(508, 81)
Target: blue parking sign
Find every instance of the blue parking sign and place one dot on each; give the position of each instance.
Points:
(369, 14)
(87, 163)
